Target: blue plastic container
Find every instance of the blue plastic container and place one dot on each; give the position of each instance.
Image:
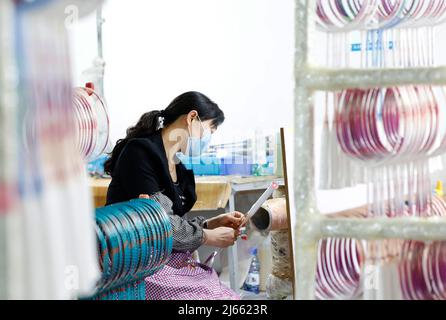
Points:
(202, 166)
(96, 167)
(236, 166)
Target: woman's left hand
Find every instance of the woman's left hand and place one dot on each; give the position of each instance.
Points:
(234, 220)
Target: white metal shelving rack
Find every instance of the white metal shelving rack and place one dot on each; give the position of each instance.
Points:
(310, 225)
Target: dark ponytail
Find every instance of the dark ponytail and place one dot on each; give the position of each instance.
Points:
(150, 121)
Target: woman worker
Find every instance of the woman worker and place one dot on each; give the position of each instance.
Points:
(146, 164)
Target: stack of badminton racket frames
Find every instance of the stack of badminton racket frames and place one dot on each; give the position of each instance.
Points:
(422, 265)
(391, 33)
(371, 34)
(346, 15)
(92, 122)
(394, 131)
(390, 139)
(338, 269)
(135, 241)
(342, 264)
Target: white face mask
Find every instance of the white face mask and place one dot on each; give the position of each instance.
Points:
(197, 146)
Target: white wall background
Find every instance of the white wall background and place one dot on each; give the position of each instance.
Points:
(239, 53)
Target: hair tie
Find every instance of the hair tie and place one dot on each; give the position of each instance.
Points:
(160, 120)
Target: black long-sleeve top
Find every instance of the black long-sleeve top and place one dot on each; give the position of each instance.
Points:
(142, 168)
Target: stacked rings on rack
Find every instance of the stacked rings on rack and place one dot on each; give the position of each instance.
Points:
(338, 269)
(398, 127)
(135, 241)
(334, 17)
(339, 266)
(381, 125)
(423, 265)
(92, 122)
(340, 16)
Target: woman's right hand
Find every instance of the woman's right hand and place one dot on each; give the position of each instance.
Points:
(221, 237)
(234, 220)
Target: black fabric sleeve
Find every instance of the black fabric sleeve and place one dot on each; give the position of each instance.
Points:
(137, 175)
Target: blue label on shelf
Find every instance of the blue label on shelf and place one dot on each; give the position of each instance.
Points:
(356, 47)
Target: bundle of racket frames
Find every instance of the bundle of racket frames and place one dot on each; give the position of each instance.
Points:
(372, 34)
(384, 269)
(92, 122)
(135, 241)
(392, 139)
(48, 247)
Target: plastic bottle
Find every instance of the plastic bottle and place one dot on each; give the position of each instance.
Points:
(252, 282)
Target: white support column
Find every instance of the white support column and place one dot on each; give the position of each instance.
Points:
(333, 79)
(304, 185)
(409, 228)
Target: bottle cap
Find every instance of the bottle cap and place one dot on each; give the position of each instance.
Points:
(89, 85)
(90, 88)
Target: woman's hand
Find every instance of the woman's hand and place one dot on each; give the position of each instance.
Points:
(220, 237)
(234, 220)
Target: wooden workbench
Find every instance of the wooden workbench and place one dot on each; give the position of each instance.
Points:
(213, 192)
